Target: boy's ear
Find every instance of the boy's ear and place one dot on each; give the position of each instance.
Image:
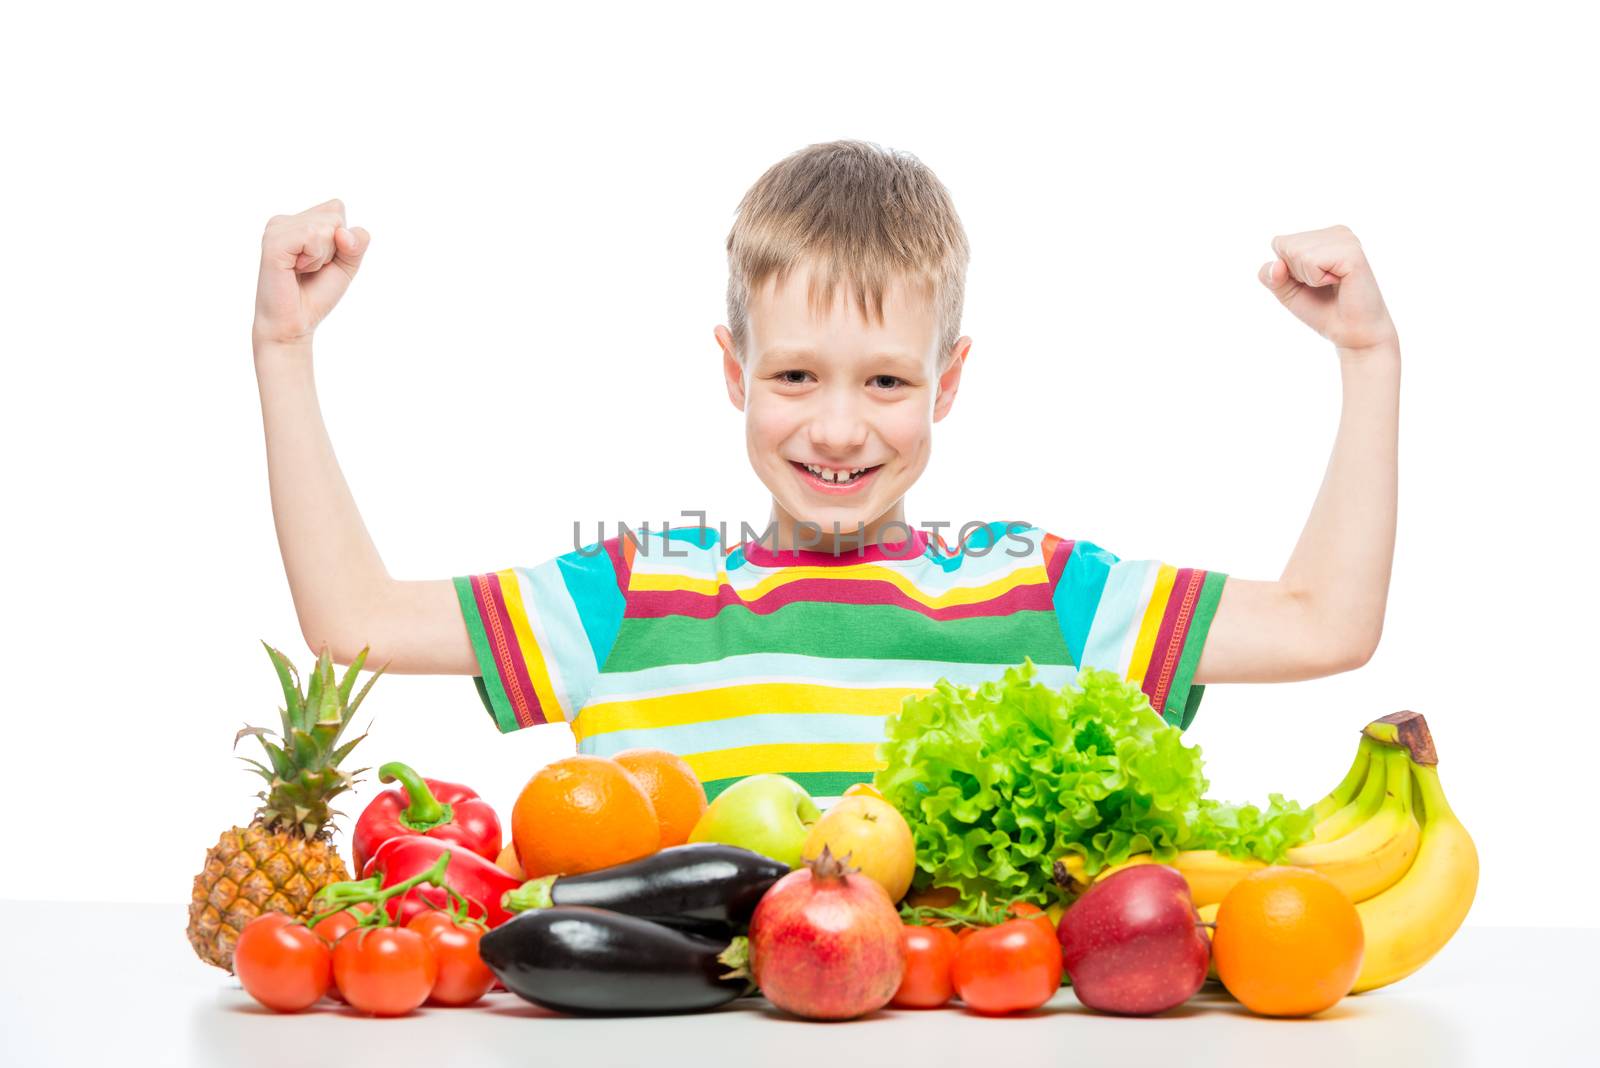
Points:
(950, 381)
(731, 370)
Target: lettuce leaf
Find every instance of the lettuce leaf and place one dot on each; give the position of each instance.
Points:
(999, 780)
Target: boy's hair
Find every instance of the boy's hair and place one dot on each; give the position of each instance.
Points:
(863, 214)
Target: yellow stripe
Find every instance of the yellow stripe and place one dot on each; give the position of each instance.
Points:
(1152, 623)
(667, 583)
(726, 702)
(538, 674)
(757, 759)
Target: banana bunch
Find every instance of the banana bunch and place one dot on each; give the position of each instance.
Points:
(1385, 835)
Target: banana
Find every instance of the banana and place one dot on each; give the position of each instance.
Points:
(1373, 857)
(1208, 915)
(1071, 874)
(1412, 920)
(1349, 786)
(1211, 875)
(1367, 859)
(1362, 806)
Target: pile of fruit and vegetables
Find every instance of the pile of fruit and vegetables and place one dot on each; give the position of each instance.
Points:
(1018, 837)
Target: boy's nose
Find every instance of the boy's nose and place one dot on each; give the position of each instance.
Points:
(838, 432)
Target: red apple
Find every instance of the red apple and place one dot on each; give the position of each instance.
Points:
(1133, 944)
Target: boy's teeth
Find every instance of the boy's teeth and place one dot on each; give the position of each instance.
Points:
(833, 476)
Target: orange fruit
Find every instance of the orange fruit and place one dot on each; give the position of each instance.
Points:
(1288, 942)
(673, 788)
(508, 863)
(580, 814)
(864, 789)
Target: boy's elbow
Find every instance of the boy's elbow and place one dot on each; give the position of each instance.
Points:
(341, 648)
(1355, 651)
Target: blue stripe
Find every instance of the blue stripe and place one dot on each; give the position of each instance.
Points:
(591, 582)
(1077, 594)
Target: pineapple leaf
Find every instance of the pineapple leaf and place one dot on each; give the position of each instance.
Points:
(309, 750)
(289, 678)
(343, 751)
(260, 732)
(330, 706)
(280, 760)
(261, 769)
(351, 710)
(350, 676)
(313, 696)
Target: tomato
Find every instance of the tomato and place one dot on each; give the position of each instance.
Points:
(1011, 967)
(385, 971)
(281, 963)
(930, 952)
(1026, 910)
(463, 977)
(335, 927)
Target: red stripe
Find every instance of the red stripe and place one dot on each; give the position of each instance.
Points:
(1056, 553)
(508, 658)
(621, 554)
(655, 604)
(1169, 639)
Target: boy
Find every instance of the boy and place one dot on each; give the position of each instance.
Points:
(783, 652)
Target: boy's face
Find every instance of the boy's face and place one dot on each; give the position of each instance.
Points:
(840, 393)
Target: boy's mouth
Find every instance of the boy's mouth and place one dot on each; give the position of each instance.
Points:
(834, 480)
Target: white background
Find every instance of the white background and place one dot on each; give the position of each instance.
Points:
(530, 343)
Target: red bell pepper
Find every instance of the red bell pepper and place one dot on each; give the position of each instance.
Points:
(476, 879)
(444, 810)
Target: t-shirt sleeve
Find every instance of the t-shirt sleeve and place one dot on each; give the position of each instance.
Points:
(1144, 619)
(541, 634)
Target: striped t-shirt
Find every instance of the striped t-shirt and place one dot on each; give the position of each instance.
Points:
(745, 660)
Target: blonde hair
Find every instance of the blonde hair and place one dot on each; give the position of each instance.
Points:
(864, 215)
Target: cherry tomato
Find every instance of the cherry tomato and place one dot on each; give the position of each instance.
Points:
(463, 977)
(335, 927)
(281, 963)
(1011, 967)
(1026, 910)
(930, 952)
(385, 971)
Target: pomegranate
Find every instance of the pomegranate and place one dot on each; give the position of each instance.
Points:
(825, 942)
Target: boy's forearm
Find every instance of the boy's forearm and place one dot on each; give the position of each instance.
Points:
(336, 576)
(1341, 565)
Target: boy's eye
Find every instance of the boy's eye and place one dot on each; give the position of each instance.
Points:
(784, 377)
(890, 379)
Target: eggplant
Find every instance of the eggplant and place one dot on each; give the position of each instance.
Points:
(591, 961)
(704, 887)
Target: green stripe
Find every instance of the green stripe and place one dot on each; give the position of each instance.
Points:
(1199, 625)
(811, 628)
(816, 783)
(489, 687)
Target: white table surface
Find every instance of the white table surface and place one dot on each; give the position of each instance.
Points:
(119, 984)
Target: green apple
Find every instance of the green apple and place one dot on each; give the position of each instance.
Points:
(770, 814)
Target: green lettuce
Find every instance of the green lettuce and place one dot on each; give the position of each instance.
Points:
(999, 780)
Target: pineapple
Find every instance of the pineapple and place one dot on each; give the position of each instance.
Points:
(285, 855)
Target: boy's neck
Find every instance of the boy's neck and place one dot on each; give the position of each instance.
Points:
(785, 533)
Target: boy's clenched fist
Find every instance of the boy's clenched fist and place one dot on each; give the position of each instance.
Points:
(1322, 277)
(307, 262)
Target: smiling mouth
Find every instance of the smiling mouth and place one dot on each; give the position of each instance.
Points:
(836, 476)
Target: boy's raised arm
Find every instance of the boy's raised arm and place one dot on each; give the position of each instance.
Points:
(343, 595)
(1324, 614)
